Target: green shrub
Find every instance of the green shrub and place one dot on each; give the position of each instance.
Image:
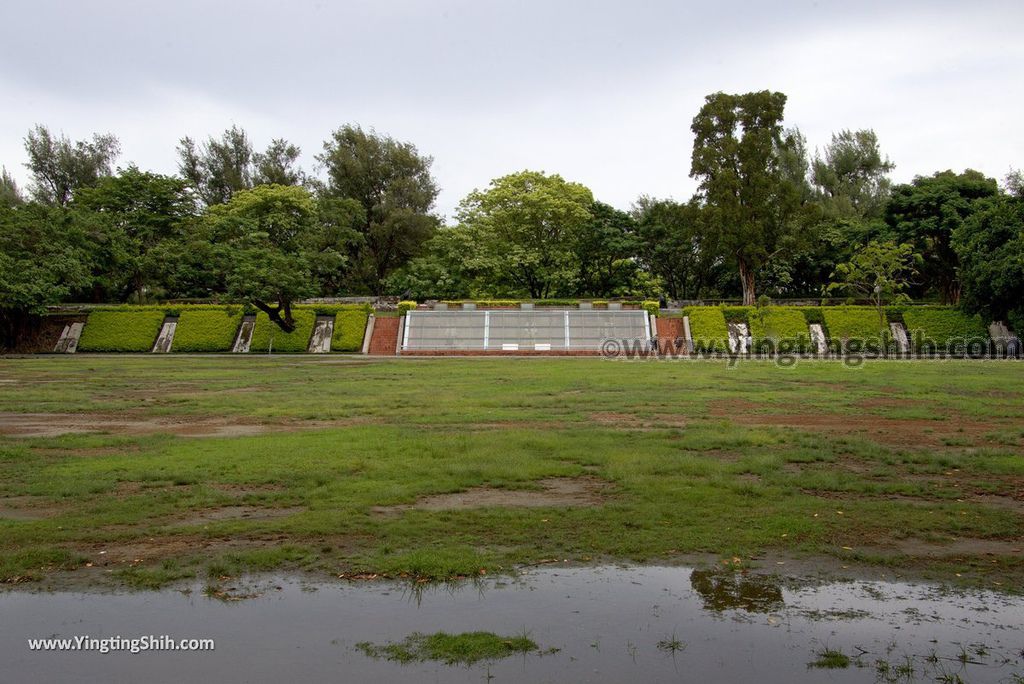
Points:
(932, 328)
(349, 329)
(207, 329)
(854, 327)
(121, 330)
(651, 307)
(737, 314)
(813, 314)
(406, 306)
(776, 328)
(708, 328)
(267, 332)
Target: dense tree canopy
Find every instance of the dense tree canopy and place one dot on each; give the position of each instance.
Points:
(238, 224)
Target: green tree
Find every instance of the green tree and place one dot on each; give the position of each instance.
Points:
(989, 244)
(605, 248)
(523, 229)
(278, 165)
(141, 210)
(738, 154)
(926, 212)
(852, 176)
(221, 167)
(676, 247)
(43, 260)
(268, 239)
(392, 183)
(59, 167)
(10, 195)
(880, 272)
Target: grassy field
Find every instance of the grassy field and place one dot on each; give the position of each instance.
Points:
(145, 470)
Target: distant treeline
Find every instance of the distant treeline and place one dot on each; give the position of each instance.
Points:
(239, 224)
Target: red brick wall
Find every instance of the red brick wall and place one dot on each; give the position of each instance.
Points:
(384, 340)
(670, 336)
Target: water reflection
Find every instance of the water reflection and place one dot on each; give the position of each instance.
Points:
(723, 590)
(608, 624)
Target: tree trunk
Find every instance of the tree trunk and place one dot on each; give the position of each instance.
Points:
(274, 314)
(747, 281)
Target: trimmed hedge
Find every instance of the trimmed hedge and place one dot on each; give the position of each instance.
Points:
(853, 327)
(776, 328)
(122, 330)
(737, 314)
(405, 306)
(349, 329)
(930, 327)
(651, 307)
(708, 328)
(267, 331)
(207, 330)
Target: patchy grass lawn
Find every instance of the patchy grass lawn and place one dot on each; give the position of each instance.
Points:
(466, 648)
(147, 470)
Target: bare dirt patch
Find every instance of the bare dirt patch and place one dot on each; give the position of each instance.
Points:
(28, 508)
(567, 492)
(634, 422)
(223, 513)
(57, 424)
(891, 431)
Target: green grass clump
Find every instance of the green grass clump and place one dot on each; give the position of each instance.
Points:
(933, 327)
(854, 327)
(267, 332)
(121, 330)
(349, 329)
(779, 327)
(141, 577)
(831, 659)
(466, 648)
(207, 330)
(708, 328)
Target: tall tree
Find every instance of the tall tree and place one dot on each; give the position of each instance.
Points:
(221, 167)
(278, 165)
(852, 176)
(737, 160)
(926, 212)
(523, 228)
(218, 168)
(60, 166)
(391, 181)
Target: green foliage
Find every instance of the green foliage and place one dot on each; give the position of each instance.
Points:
(60, 167)
(853, 327)
(708, 328)
(990, 246)
(942, 326)
(779, 327)
(522, 231)
(737, 314)
(349, 330)
(651, 307)
(404, 306)
(207, 330)
(268, 333)
(927, 212)
(392, 183)
(123, 330)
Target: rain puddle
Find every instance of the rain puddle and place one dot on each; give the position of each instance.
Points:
(604, 624)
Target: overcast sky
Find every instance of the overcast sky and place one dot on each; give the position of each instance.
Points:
(602, 92)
